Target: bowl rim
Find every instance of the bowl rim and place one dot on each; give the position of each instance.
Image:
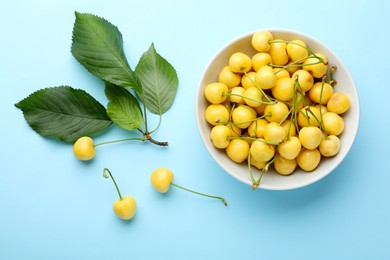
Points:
(213, 151)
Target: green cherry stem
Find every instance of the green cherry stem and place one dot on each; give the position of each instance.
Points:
(123, 140)
(199, 193)
(112, 178)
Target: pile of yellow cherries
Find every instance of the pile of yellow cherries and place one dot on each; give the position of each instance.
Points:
(277, 107)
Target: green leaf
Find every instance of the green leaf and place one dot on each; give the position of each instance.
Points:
(123, 108)
(159, 81)
(64, 113)
(98, 46)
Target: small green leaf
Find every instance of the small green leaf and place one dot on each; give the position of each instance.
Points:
(123, 108)
(98, 46)
(159, 81)
(64, 113)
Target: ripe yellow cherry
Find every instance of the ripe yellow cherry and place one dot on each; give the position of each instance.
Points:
(248, 80)
(305, 80)
(261, 59)
(278, 52)
(256, 128)
(330, 147)
(333, 123)
(284, 166)
(125, 208)
(253, 97)
(309, 116)
(219, 136)
(321, 92)
(260, 40)
(276, 112)
(216, 113)
(261, 151)
(297, 50)
(308, 160)
(84, 148)
(161, 179)
(283, 89)
(216, 92)
(238, 150)
(310, 137)
(236, 95)
(240, 62)
(274, 133)
(228, 77)
(265, 77)
(290, 148)
(242, 116)
(338, 103)
(316, 66)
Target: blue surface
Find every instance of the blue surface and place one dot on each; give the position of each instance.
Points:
(56, 207)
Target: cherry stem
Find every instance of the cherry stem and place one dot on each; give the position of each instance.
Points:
(199, 193)
(112, 178)
(123, 140)
(322, 121)
(146, 138)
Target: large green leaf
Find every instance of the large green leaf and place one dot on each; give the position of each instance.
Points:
(64, 113)
(98, 46)
(159, 81)
(123, 108)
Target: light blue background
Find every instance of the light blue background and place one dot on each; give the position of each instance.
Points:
(56, 207)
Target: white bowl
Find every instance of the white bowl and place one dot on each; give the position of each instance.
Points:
(271, 180)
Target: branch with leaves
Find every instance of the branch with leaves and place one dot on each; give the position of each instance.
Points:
(67, 114)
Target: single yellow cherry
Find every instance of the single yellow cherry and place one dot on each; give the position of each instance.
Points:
(248, 80)
(283, 89)
(297, 50)
(330, 147)
(265, 77)
(321, 92)
(338, 103)
(238, 150)
(260, 40)
(333, 123)
(261, 151)
(274, 133)
(308, 160)
(84, 148)
(243, 116)
(240, 62)
(161, 179)
(261, 59)
(219, 136)
(316, 65)
(284, 166)
(304, 78)
(125, 208)
(236, 95)
(310, 137)
(253, 97)
(278, 52)
(216, 113)
(276, 112)
(216, 92)
(228, 77)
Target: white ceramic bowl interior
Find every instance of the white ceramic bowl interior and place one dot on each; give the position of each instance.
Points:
(271, 180)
